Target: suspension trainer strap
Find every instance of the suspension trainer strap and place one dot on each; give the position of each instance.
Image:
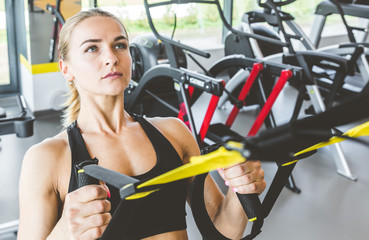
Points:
(205, 224)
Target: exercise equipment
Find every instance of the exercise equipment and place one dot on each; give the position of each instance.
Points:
(148, 51)
(173, 59)
(19, 121)
(268, 15)
(324, 72)
(9, 229)
(15, 119)
(328, 8)
(62, 10)
(280, 144)
(58, 22)
(156, 84)
(273, 145)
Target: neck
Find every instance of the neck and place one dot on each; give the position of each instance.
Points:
(102, 114)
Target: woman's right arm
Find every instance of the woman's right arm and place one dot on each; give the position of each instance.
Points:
(84, 215)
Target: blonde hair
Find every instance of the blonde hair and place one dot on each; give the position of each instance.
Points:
(72, 104)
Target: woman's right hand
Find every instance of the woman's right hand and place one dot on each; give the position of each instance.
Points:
(86, 212)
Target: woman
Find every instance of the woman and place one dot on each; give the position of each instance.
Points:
(95, 60)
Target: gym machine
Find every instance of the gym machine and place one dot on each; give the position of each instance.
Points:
(333, 68)
(283, 145)
(156, 78)
(14, 119)
(58, 22)
(156, 84)
(328, 8)
(268, 15)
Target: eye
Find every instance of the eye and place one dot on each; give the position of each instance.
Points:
(91, 49)
(121, 46)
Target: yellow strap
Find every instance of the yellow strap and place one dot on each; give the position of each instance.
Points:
(140, 195)
(220, 158)
(253, 219)
(358, 131)
(223, 158)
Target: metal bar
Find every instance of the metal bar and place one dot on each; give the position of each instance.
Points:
(9, 227)
(285, 75)
(208, 116)
(175, 110)
(244, 92)
(339, 158)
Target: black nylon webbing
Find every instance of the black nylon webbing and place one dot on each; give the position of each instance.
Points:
(205, 224)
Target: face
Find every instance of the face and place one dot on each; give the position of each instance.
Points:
(99, 61)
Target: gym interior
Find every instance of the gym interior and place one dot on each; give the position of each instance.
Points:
(230, 69)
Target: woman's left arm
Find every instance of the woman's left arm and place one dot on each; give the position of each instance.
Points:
(229, 217)
(248, 177)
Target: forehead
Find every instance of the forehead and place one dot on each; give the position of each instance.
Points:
(98, 27)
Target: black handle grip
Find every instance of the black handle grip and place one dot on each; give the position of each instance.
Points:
(251, 205)
(82, 178)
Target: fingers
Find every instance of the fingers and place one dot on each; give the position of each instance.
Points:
(88, 193)
(247, 177)
(94, 207)
(86, 211)
(95, 226)
(86, 201)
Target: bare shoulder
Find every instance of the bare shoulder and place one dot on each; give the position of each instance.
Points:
(169, 124)
(178, 134)
(50, 149)
(43, 160)
(41, 183)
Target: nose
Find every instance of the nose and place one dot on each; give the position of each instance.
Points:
(111, 58)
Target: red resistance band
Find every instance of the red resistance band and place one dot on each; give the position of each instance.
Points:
(209, 115)
(283, 78)
(182, 112)
(256, 68)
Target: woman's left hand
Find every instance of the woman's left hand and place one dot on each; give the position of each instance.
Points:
(244, 178)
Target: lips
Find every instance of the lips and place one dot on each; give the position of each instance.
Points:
(113, 74)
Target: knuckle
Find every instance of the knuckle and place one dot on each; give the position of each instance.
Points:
(108, 205)
(95, 192)
(261, 173)
(69, 197)
(99, 220)
(71, 213)
(108, 217)
(263, 185)
(247, 178)
(257, 164)
(252, 187)
(100, 206)
(96, 232)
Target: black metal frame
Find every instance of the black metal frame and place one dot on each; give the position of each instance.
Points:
(58, 19)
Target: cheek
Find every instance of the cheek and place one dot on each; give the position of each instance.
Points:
(127, 63)
(128, 60)
(85, 67)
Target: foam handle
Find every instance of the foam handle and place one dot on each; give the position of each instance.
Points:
(251, 205)
(84, 179)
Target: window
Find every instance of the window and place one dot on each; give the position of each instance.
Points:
(196, 23)
(4, 60)
(8, 45)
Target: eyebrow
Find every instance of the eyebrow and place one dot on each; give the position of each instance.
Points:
(99, 40)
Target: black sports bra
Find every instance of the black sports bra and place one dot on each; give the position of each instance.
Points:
(162, 211)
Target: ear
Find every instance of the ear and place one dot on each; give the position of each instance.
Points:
(65, 70)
